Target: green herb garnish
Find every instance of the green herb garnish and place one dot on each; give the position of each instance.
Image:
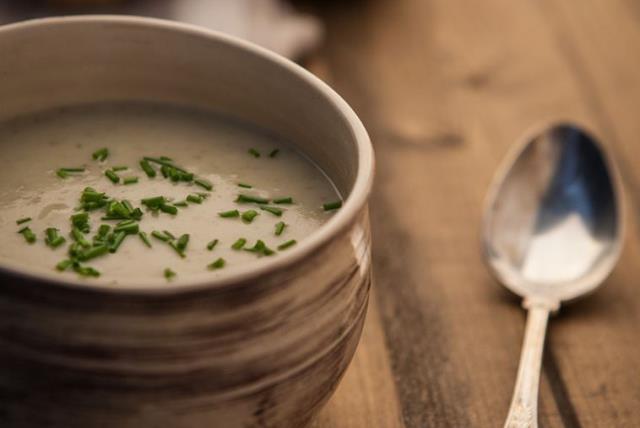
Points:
(79, 237)
(81, 221)
(274, 153)
(65, 172)
(161, 236)
(196, 199)
(246, 199)
(169, 209)
(162, 161)
(253, 152)
(93, 252)
(130, 227)
(130, 180)
(239, 244)
(23, 220)
(260, 248)
(287, 200)
(101, 154)
(112, 176)
(64, 265)
(28, 234)
(85, 270)
(53, 239)
(287, 245)
(218, 264)
(181, 204)
(118, 238)
(169, 234)
(245, 185)
(332, 206)
(211, 245)
(249, 215)
(273, 210)
(169, 274)
(229, 214)
(280, 227)
(120, 168)
(203, 183)
(145, 239)
(147, 168)
(182, 242)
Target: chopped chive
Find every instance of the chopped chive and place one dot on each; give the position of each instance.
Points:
(53, 239)
(203, 195)
(28, 234)
(161, 236)
(332, 206)
(211, 245)
(147, 168)
(169, 209)
(169, 274)
(103, 230)
(280, 228)
(163, 162)
(127, 205)
(260, 248)
(65, 172)
(130, 180)
(81, 221)
(186, 176)
(166, 159)
(143, 236)
(196, 199)
(182, 242)
(86, 271)
(79, 237)
(218, 264)
(120, 168)
(273, 210)
(287, 244)
(153, 203)
(180, 252)
(169, 234)
(165, 170)
(112, 176)
(253, 152)
(128, 228)
(287, 200)
(242, 198)
(229, 214)
(93, 252)
(101, 154)
(175, 175)
(203, 183)
(117, 241)
(64, 265)
(245, 185)
(23, 220)
(249, 215)
(239, 244)
(274, 153)
(181, 204)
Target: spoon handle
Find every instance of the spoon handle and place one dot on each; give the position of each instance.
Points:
(523, 412)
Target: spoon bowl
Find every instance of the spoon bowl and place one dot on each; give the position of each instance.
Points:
(552, 232)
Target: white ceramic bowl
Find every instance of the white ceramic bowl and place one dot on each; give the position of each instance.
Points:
(265, 345)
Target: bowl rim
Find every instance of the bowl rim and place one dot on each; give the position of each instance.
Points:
(353, 204)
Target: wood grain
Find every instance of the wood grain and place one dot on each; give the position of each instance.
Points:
(444, 88)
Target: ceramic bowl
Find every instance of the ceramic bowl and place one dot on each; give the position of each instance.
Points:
(263, 346)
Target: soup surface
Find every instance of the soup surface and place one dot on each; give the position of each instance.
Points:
(224, 183)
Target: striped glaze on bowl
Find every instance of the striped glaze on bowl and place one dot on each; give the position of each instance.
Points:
(263, 346)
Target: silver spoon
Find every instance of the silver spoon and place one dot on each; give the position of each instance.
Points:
(552, 231)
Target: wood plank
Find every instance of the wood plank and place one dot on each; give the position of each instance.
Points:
(445, 87)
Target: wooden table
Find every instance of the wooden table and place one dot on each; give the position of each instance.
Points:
(444, 88)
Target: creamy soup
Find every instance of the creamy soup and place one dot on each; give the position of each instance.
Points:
(232, 195)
